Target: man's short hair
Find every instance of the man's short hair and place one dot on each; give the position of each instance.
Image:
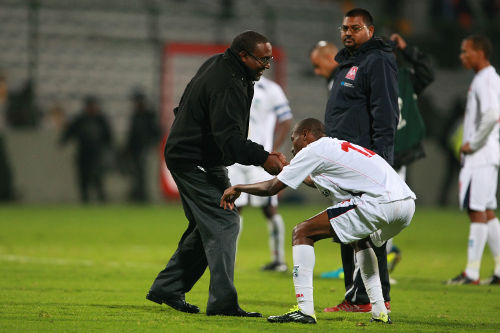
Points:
(313, 125)
(247, 41)
(363, 13)
(480, 42)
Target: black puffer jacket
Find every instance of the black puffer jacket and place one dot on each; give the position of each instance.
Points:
(363, 104)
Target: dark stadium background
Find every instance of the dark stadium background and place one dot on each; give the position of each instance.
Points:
(55, 52)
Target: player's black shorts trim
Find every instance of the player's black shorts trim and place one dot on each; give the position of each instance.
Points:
(337, 211)
(466, 203)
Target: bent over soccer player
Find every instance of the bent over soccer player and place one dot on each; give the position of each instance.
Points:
(372, 204)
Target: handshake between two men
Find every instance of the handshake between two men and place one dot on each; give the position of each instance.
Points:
(274, 163)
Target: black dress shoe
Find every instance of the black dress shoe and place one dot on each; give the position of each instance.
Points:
(174, 302)
(236, 313)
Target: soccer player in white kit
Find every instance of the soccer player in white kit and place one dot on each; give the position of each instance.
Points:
(270, 121)
(480, 159)
(371, 205)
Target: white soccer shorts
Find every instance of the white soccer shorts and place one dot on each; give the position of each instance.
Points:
(249, 174)
(478, 187)
(357, 218)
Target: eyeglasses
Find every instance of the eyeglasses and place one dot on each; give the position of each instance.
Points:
(354, 28)
(264, 60)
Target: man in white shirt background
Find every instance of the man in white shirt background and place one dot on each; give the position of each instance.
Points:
(270, 121)
(480, 157)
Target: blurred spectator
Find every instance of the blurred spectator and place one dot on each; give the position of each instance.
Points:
(6, 179)
(22, 110)
(3, 100)
(92, 133)
(144, 133)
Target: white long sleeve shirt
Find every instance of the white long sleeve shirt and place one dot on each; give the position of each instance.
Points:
(482, 113)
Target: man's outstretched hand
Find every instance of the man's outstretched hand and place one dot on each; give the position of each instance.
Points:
(274, 163)
(228, 198)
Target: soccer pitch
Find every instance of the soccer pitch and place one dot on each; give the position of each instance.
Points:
(84, 269)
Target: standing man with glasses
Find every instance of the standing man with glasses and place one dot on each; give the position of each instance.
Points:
(209, 133)
(363, 109)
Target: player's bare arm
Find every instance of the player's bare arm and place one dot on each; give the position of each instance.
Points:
(308, 181)
(263, 189)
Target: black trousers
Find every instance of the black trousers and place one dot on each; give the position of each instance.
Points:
(354, 286)
(138, 189)
(210, 239)
(90, 173)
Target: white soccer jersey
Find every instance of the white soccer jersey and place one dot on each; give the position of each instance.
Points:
(483, 100)
(269, 106)
(341, 170)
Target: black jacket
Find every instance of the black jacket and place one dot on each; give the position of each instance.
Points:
(92, 134)
(363, 104)
(211, 121)
(415, 74)
(143, 131)
(420, 65)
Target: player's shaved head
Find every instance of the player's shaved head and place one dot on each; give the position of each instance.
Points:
(312, 125)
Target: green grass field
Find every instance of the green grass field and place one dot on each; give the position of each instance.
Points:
(88, 269)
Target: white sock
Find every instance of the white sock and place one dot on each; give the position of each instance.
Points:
(303, 265)
(368, 266)
(494, 242)
(276, 228)
(478, 234)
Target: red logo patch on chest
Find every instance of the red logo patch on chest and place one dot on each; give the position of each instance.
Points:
(351, 75)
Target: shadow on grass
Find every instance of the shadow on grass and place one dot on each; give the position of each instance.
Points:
(444, 325)
(59, 305)
(260, 303)
(148, 308)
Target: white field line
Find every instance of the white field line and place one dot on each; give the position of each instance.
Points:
(78, 262)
